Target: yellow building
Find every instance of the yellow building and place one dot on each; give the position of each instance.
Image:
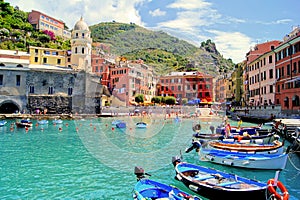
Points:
(47, 56)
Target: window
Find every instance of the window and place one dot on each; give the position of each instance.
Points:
(45, 60)
(50, 90)
(36, 59)
(271, 73)
(82, 35)
(1, 79)
(70, 91)
(31, 89)
(58, 61)
(18, 80)
(179, 87)
(271, 88)
(288, 70)
(270, 59)
(82, 50)
(75, 49)
(36, 51)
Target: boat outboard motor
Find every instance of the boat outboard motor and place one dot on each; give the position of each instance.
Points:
(195, 145)
(176, 160)
(140, 173)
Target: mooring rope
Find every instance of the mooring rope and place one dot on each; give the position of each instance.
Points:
(292, 163)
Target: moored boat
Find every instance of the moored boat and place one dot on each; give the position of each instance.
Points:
(149, 189)
(121, 125)
(3, 122)
(244, 160)
(43, 122)
(276, 147)
(215, 184)
(265, 138)
(57, 121)
(24, 123)
(141, 125)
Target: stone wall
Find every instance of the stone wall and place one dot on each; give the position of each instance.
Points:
(53, 104)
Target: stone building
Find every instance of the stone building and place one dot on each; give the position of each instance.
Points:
(33, 88)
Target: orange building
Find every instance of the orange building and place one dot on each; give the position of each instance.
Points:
(287, 66)
(41, 21)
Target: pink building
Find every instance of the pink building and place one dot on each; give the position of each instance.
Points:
(260, 74)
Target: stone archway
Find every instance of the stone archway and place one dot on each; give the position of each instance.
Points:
(8, 107)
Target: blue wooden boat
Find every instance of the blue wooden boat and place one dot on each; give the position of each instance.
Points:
(149, 189)
(24, 123)
(215, 184)
(239, 130)
(244, 160)
(121, 125)
(115, 122)
(3, 122)
(141, 125)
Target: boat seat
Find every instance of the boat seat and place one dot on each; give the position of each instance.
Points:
(228, 183)
(202, 178)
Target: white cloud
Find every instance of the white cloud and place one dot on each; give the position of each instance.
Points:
(189, 4)
(232, 45)
(157, 13)
(280, 21)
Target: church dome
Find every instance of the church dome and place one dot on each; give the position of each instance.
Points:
(81, 26)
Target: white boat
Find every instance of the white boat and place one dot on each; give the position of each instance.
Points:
(2, 123)
(57, 121)
(141, 125)
(43, 122)
(244, 160)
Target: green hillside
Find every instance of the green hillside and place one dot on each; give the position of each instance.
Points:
(166, 53)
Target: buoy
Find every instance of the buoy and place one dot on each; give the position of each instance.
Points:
(77, 129)
(67, 124)
(284, 195)
(112, 128)
(60, 128)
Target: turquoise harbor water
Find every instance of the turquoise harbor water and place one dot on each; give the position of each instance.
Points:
(89, 159)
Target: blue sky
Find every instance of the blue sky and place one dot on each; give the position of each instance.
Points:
(234, 25)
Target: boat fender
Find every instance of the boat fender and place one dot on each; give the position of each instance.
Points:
(194, 188)
(228, 162)
(271, 188)
(178, 177)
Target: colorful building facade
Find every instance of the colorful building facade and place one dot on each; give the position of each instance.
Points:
(189, 85)
(48, 57)
(41, 21)
(260, 69)
(287, 64)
